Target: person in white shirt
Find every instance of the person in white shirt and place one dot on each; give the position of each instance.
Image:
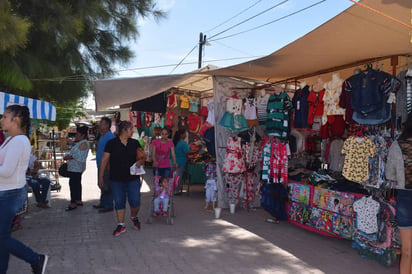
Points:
(14, 160)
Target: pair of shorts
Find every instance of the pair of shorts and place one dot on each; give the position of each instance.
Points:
(404, 208)
(126, 190)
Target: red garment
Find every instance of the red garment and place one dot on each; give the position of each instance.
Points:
(203, 111)
(138, 119)
(194, 122)
(203, 128)
(344, 102)
(315, 101)
(335, 127)
(170, 115)
(172, 100)
(148, 119)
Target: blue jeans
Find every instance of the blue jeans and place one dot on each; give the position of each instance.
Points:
(121, 190)
(164, 201)
(10, 203)
(40, 187)
(106, 197)
(75, 184)
(163, 172)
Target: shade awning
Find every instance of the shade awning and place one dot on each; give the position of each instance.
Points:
(38, 109)
(355, 35)
(113, 92)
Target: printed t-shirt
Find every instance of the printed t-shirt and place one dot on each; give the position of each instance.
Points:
(194, 122)
(357, 151)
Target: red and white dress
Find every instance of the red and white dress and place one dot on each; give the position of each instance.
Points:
(234, 162)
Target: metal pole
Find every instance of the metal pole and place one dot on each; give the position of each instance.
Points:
(202, 41)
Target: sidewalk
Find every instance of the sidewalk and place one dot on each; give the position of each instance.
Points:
(81, 241)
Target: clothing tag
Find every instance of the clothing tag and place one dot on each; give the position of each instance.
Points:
(298, 105)
(359, 139)
(392, 98)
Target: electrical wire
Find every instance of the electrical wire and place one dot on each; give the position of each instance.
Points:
(271, 22)
(234, 16)
(250, 18)
(381, 13)
(181, 61)
(83, 77)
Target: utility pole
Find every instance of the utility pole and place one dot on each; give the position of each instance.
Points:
(202, 42)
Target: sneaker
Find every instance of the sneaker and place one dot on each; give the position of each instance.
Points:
(157, 213)
(164, 214)
(119, 230)
(136, 222)
(154, 214)
(40, 267)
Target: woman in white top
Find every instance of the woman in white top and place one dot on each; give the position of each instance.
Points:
(14, 161)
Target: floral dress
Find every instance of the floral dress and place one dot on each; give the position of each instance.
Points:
(233, 162)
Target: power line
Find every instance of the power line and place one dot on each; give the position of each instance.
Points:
(234, 16)
(82, 77)
(250, 18)
(181, 61)
(271, 22)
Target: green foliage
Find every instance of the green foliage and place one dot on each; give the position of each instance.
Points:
(55, 47)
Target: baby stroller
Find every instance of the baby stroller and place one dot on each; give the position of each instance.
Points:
(172, 185)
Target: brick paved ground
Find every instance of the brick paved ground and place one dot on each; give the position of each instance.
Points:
(80, 241)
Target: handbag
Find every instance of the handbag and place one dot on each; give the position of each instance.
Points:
(63, 170)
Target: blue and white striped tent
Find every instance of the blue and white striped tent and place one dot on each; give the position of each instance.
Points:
(38, 109)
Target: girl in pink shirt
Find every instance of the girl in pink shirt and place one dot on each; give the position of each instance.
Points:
(161, 150)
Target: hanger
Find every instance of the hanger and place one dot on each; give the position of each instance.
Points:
(234, 95)
(360, 133)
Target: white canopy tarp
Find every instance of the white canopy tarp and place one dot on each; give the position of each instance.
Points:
(38, 109)
(114, 92)
(355, 35)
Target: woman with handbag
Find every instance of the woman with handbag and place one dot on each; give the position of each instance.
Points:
(121, 153)
(76, 164)
(14, 160)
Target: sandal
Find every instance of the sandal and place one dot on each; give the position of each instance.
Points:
(69, 208)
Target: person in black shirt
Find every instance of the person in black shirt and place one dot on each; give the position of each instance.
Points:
(121, 153)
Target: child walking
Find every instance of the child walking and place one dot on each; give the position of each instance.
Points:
(162, 195)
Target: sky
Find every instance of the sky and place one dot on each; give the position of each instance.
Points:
(236, 31)
(161, 46)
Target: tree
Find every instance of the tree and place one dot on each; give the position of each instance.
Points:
(70, 43)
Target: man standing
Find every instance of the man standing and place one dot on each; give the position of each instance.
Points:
(106, 197)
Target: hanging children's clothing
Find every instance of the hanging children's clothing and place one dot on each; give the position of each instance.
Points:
(182, 122)
(194, 104)
(336, 159)
(275, 162)
(233, 182)
(357, 151)
(233, 162)
(331, 98)
(184, 101)
(278, 108)
(172, 100)
(251, 152)
(250, 111)
(315, 104)
(233, 119)
(261, 106)
(211, 112)
(366, 209)
(194, 121)
(170, 116)
(301, 107)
